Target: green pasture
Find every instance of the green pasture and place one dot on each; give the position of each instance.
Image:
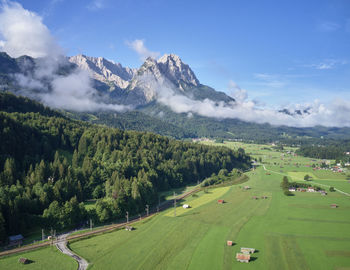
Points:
(297, 232)
(41, 259)
(288, 232)
(202, 199)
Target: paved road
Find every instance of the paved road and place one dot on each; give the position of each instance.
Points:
(62, 246)
(340, 191)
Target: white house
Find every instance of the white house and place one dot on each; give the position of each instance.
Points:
(186, 206)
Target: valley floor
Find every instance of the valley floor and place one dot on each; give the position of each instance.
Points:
(288, 232)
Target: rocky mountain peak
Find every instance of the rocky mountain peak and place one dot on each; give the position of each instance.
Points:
(177, 71)
(104, 70)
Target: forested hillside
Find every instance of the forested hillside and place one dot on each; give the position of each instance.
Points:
(49, 164)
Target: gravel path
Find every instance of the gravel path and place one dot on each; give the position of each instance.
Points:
(62, 246)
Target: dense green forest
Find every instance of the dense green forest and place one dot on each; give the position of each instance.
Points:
(334, 150)
(50, 164)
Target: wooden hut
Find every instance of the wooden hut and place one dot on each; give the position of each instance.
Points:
(243, 257)
(247, 250)
(23, 260)
(129, 228)
(221, 201)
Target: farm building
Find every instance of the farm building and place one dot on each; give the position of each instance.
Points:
(263, 197)
(243, 257)
(254, 198)
(292, 189)
(229, 243)
(15, 240)
(185, 206)
(334, 205)
(310, 189)
(129, 228)
(247, 250)
(23, 260)
(221, 201)
(246, 187)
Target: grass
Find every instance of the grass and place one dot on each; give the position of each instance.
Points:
(298, 232)
(202, 199)
(44, 258)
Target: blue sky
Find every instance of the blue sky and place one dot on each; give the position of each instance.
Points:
(281, 52)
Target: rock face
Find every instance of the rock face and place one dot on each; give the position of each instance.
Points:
(115, 83)
(139, 86)
(176, 71)
(104, 70)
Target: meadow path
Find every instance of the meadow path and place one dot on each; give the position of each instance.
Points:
(283, 174)
(62, 246)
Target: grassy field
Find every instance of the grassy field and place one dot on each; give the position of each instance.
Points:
(298, 232)
(42, 259)
(289, 232)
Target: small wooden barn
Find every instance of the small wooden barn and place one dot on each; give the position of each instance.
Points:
(229, 243)
(243, 257)
(129, 228)
(221, 201)
(23, 260)
(334, 205)
(247, 250)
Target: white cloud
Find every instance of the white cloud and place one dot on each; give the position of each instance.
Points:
(239, 94)
(24, 33)
(328, 64)
(96, 5)
(138, 45)
(74, 92)
(333, 114)
(328, 26)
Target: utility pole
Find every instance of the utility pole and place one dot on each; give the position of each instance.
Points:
(42, 234)
(90, 224)
(140, 216)
(51, 234)
(127, 217)
(174, 204)
(158, 209)
(147, 209)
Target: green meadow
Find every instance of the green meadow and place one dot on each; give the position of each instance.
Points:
(288, 232)
(41, 259)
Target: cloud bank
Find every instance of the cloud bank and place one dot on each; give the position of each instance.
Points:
(24, 33)
(334, 114)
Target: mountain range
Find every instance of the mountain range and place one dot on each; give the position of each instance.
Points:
(144, 90)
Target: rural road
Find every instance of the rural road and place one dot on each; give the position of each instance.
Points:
(62, 246)
(340, 191)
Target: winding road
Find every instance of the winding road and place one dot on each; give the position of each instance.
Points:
(62, 246)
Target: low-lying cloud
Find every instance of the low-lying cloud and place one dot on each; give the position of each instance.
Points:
(334, 114)
(24, 33)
